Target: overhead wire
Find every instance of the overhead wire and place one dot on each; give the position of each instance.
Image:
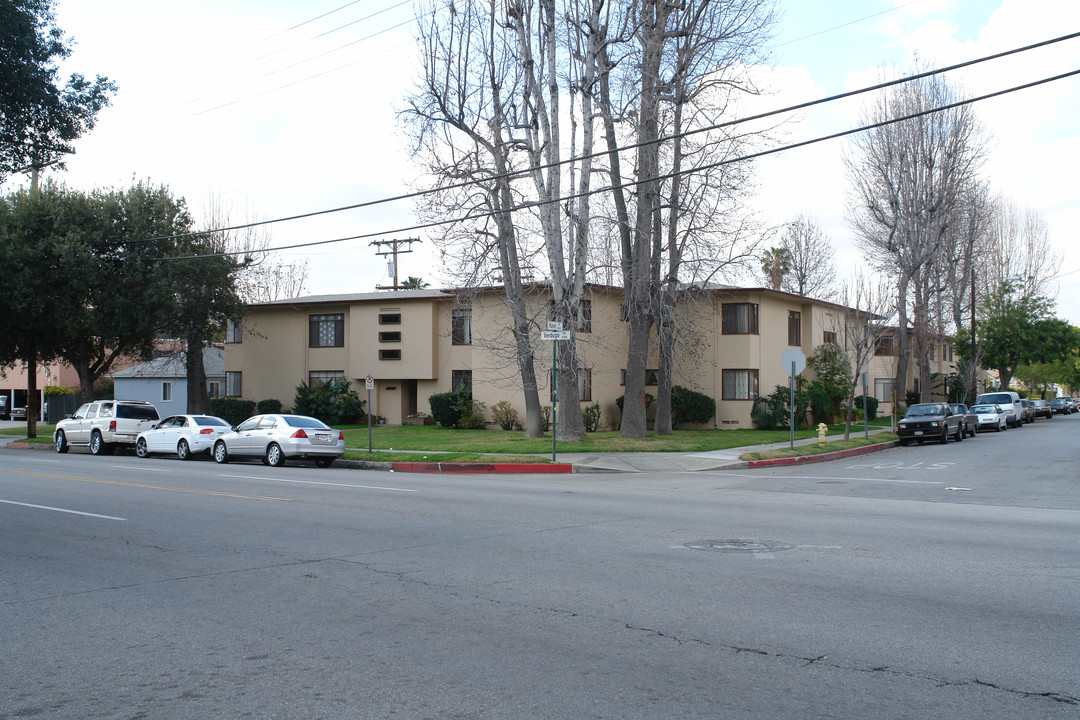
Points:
(634, 146)
(609, 188)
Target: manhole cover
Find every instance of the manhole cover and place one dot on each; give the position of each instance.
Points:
(750, 546)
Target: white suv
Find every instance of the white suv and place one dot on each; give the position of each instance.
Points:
(1009, 402)
(104, 424)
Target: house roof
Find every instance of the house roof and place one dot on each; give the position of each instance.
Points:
(175, 366)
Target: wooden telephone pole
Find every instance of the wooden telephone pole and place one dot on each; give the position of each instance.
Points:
(395, 250)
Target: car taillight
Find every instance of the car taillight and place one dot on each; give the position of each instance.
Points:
(299, 434)
(112, 426)
(340, 435)
(206, 431)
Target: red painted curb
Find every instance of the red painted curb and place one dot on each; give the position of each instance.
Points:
(482, 467)
(822, 457)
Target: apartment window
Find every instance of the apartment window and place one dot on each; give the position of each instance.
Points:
(830, 338)
(234, 330)
(883, 389)
(327, 330)
(740, 385)
(166, 391)
(584, 316)
(740, 319)
(794, 328)
(390, 337)
(651, 377)
(461, 327)
(461, 379)
(390, 354)
(213, 388)
(584, 385)
(318, 377)
(233, 384)
(884, 346)
(389, 318)
(584, 324)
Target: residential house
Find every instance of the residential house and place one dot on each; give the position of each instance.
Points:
(163, 380)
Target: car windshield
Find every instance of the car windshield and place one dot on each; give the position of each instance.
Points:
(210, 422)
(305, 422)
(997, 398)
(983, 409)
(924, 410)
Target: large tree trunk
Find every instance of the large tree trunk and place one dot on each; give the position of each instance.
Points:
(198, 399)
(33, 407)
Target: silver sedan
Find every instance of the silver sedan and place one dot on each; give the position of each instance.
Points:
(185, 435)
(275, 438)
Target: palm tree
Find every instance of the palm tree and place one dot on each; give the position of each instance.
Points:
(776, 263)
(414, 283)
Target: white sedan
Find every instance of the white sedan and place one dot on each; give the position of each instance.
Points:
(991, 417)
(274, 438)
(184, 435)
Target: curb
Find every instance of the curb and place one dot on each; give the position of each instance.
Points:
(822, 457)
(482, 467)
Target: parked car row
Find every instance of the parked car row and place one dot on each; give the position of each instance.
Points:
(997, 411)
(106, 425)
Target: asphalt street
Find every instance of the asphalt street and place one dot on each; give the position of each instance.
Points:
(927, 581)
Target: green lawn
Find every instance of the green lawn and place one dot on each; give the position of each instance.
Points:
(432, 443)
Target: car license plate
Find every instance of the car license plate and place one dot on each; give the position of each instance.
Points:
(918, 432)
(323, 437)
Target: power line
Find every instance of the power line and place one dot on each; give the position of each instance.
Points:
(666, 176)
(624, 148)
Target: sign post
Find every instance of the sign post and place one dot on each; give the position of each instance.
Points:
(794, 361)
(865, 421)
(554, 333)
(369, 382)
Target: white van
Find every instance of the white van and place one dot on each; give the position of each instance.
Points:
(1009, 401)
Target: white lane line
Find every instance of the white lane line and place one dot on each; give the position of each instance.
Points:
(827, 477)
(62, 510)
(141, 468)
(316, 482)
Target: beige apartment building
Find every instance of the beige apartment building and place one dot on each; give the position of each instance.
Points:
(419, 342)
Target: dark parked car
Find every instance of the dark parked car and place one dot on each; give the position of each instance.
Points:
(1028, 411)
(1042, 409)
(1060, 406)
(930, 421)
(970, 419)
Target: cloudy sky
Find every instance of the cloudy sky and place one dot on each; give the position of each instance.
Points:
(271, 108)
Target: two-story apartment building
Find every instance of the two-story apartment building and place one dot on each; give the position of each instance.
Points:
(419, 342)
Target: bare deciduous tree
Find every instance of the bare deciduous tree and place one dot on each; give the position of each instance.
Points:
(909, 179)
(863, 319)
(810, 267)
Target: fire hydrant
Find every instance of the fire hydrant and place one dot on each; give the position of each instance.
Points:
(822, 428)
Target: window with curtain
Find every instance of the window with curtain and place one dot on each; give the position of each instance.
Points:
(740, 319)
(326, 330)
(740, 385)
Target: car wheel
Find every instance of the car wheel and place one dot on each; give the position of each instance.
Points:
(97, 445)
(141, 449)
(945, 435)
(221, 453)
(904, 442)
(61, 442)
(274, 456)
(327, 462)
(960, 433)
(183, 450)
(974, 429)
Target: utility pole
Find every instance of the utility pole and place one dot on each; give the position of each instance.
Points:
(394, 251)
